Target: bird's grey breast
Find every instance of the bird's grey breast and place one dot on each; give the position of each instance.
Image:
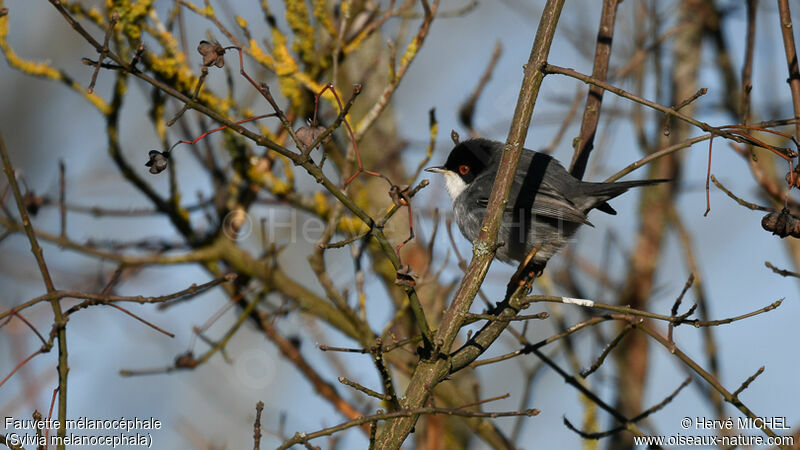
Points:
(469, 210)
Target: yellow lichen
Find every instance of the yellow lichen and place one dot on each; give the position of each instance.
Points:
(288, 171)
(175, 69)
(411, 52)
(352, 225)
(161, 126)
(361, 198)
(92, 13)
(297, 18)
(314, 87)
(434, 131)
(44, 70)
(320, 8)
(279, 187)
(131, 16)
(241, 22)
(345, 8)
(321, 206)
(183, 213)
(95, 15)
(264, 130)
(261, 175)
(291, 90)
(356, 42)
(262, 58)
(165, 38)
(285, 64)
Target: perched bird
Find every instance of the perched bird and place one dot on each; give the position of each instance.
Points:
(545, 207)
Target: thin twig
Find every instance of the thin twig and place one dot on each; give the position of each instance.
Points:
(458, 411)
(472, 317)
(200, 80)
(640, 417)
(782, 272)
(710, 379)
(738, 200)
(748, 381)
(103, 298)
(600, 359)
(548, 68)
(679, 146)
(677, 304)
(103, 51)
(648, 315)
(594, 99)
(386, 376)
(18, 366)
(257, 426)
(530, 347)
(364, 389)
(411, 52)
(62, 195)
(787, 32)
(747, 67)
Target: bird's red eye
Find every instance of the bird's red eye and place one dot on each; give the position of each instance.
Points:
(463, 169)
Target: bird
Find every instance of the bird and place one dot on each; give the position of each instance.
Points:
(546, 205)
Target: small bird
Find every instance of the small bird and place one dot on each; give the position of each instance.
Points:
(545, 207)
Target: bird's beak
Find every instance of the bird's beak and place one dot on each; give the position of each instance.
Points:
(436, 169)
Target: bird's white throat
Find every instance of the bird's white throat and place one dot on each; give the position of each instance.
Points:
(454, 184)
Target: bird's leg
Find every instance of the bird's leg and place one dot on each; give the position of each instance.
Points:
(525, 274)
(519, 275)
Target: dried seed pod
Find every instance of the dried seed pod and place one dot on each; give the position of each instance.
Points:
(186, 361)
(399, 194)
(213, 53)
(157, 162)
(793, 181)
(308, 134)
(33, 202)
(772, 222)
(782, 223)
(295, 341)
(405, 277)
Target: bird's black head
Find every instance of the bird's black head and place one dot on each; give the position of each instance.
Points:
(466, 161)
(470, 158)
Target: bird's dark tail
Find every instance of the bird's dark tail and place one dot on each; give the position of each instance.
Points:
(600, 193)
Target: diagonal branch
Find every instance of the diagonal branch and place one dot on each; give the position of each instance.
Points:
(791, 57)
(429, 372)
(594, 99)
(709, 378)
(717, 131)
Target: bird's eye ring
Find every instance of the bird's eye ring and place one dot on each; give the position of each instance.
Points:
(463, 169)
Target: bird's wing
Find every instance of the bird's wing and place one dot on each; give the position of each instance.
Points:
(542, 187)
(546, 205)
(546, 201)
(553, 204)
(551, 198)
